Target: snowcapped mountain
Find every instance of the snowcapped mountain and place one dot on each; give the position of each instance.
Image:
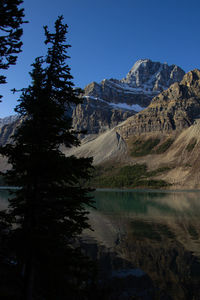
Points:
(145, 80)
(151, 77)
(110, 102)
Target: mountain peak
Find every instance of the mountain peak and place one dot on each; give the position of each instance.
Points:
(152, 76)
(173, 110)
(141, 63)
(191, 77)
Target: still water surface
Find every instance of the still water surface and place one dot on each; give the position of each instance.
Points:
(149, 239)
(155, 232)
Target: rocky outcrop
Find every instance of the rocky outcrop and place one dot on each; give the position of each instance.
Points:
(173, 110)
(107, 104)
(145, 80)
(8, 120)
(112, 90)
(169, 128)
(153, 76)
(171, 120)
(97, 116)
(112, 101)
(8, 130)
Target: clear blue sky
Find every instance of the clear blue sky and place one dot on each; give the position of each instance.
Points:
(107, 37)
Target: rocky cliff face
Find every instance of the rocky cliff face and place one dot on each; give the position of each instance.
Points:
(8, 120)
(110, 102)
(152, 77)
(8, 126)
(165, 137)
(112, 90)
(107, 104)
(145, 80)
(173, 110)
(7, 130)
(97, 116)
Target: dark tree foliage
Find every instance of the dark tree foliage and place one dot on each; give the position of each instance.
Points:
(11, 19)
(48, 211)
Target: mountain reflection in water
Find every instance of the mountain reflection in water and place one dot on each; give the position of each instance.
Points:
(155, 232)
(146, 244)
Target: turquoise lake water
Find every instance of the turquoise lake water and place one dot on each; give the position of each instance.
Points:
(156, 233)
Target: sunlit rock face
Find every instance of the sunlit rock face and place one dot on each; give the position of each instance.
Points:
(145, 80)
(112, 101)
(152, 77)
(96, 116)
(174, 109)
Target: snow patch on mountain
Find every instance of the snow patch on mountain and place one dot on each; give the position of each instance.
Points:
(125, 88)
(143, 82)
(124, 106)
(134, 107)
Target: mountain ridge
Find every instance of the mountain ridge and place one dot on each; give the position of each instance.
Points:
(131, 94)
(162, 142)
(145, 78)
(107, 104)
(173, 109)
(157, 147)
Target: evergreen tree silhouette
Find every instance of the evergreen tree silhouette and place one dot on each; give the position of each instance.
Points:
(49, 209)
(11, 19)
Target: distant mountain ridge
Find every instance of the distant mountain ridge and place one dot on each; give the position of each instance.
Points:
(8, 120)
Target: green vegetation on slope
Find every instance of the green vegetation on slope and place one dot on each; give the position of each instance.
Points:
(127, 177)
(150, 146)
(142, 148)
(191, 145)
(192, 231)
(164, 146)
